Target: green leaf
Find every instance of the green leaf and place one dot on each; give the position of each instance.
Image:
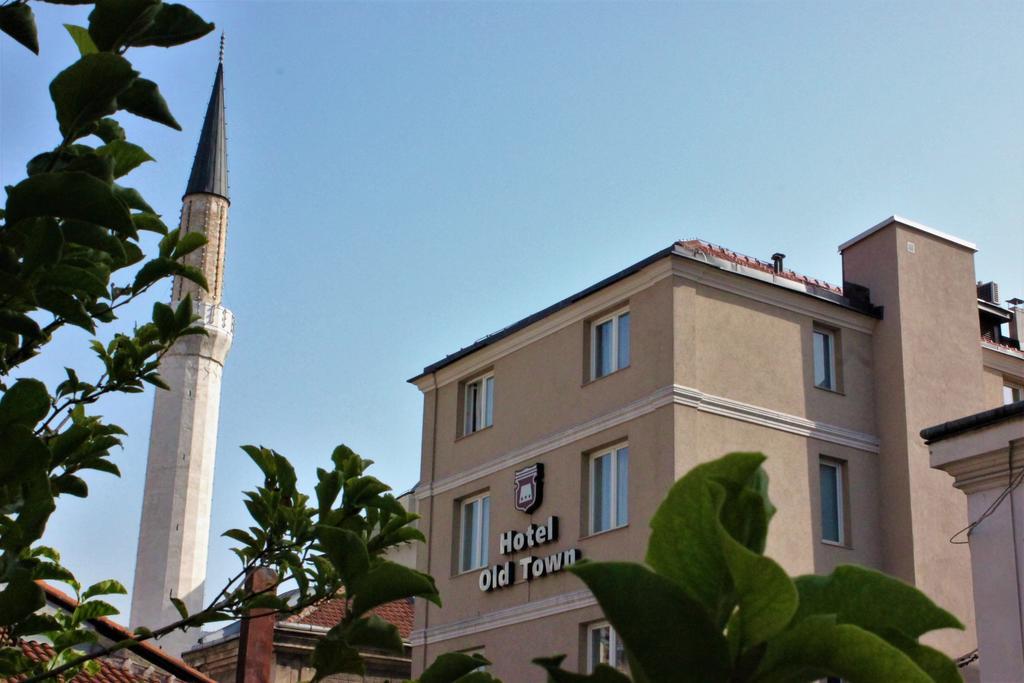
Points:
(346, 551)
(333, 656)
(72, 485)
(451, 666)
(871, 600)
(174, 25)
(683, 644)
(105, 587)
(556, 674)
(67, 195)
(74, 279)
(131, 197)
(108, 130)
(67, 307)
(685, 543)
(25, 403)
(188, 243)
(94, 609)
(327, 489)
(374, 632)
(149, 221)
(936, 664)
(388, 582)
(154, 270)
(114, 23)
(19, 599)
(163, 318)
(73, 158)
(766, 596)
(89, 89)
(19, 23)
(126, 156)
(180, 606)
(183, 313)
(143, 99)
(44, 244)
(83, 41)
(818, 647)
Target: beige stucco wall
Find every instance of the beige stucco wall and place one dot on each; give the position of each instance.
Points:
(928, 370)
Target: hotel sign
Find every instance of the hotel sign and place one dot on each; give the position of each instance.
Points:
(530, 567)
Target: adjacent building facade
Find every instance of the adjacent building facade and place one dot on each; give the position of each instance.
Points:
(558, 437)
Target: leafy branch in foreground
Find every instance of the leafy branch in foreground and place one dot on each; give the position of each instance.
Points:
(727, 613)
(332, 546)
(70, 255)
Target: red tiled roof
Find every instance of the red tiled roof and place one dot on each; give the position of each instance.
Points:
(112, 669)
(112, 630)
(751, 262)
(329, 613)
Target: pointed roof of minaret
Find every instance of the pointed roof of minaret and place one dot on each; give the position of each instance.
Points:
(210, 168)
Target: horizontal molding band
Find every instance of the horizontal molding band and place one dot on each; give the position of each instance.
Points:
(558, 604)
(672, 394)
(774, 419)
(661, 397)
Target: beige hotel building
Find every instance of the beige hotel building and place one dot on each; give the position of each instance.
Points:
(557, 437)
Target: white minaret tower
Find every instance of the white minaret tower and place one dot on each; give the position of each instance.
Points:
(175, 529)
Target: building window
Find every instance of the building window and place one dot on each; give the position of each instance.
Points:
(1012, 393)
(478, 404)
(609, 344)
(475, 527)
(830, 478)
(605, 647)
(609, 489)
(825, 359)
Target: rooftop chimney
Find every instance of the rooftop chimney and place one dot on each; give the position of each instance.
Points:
(256, 642)
(777, 261)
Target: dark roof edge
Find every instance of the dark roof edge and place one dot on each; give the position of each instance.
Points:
(970, 423)
(608, 281)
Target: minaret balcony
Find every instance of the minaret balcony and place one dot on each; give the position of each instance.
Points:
(214, 315)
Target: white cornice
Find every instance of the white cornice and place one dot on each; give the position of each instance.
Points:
(1002, 360)
(910, 224)
(566, 602)
(631, 411)
(672, 394)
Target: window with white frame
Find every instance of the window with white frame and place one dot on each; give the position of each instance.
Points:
(830, 479)
(478, 403)
(825, 359)
(609, 344)
(474, 525)
(1012, 393)
(605, 647)
(609, 489)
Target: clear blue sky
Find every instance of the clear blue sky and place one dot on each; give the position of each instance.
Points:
(406, 178)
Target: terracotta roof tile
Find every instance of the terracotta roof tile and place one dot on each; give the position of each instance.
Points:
(330, 612)
(112, 669)
(751, 262)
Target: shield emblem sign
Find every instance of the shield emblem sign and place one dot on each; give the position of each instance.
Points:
(528, 487)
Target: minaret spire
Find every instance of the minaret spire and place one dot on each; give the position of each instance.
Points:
(210, 167)
(175, 530)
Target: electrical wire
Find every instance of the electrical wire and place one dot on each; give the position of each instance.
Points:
(1015, 481)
